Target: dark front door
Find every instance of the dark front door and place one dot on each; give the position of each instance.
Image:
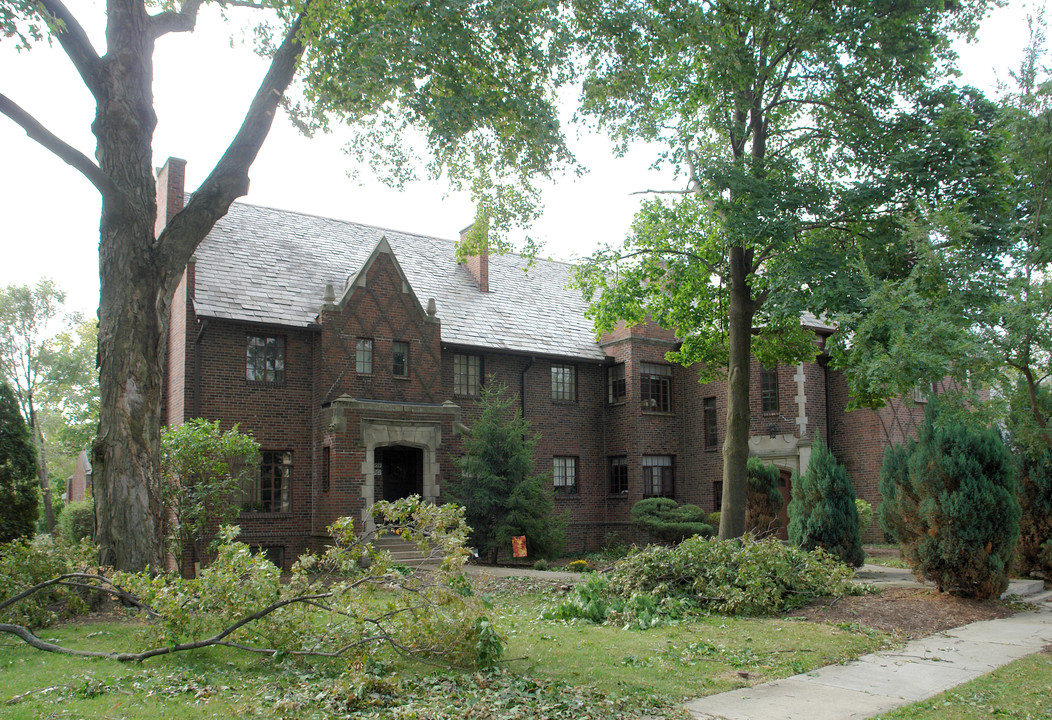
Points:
(402, 471)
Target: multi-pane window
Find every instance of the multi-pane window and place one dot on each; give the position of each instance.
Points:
(400, 359)
(564, 382)
(658, 476)
(265, 358)
(363, 356)
(769, 389)
(618, 475)
(564, 474)
(272, 491)
(467, 373)
(615, 383)
(711, 435)
(655, 387)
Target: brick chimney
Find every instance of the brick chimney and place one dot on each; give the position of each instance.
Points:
(170, 181)
(478, 265)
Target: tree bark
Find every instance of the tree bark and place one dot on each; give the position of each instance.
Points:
(45, 485)
(736, 442)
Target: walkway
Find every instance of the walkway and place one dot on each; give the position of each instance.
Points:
(881, 682)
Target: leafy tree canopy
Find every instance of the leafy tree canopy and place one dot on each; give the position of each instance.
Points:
(790, 124)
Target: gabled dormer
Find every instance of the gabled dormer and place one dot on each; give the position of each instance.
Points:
(378, 341)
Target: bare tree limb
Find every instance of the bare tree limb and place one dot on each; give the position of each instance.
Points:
(58, 147)
(105, 585)
(183, 20)
(229, 179)
(75, 43)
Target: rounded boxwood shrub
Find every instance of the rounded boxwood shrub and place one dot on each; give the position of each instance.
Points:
(822, 513)
(667, 521)
(77, 520)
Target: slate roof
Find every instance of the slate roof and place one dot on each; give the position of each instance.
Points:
(271, 266)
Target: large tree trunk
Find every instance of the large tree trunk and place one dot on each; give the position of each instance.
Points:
(132, 309)
(736, 442)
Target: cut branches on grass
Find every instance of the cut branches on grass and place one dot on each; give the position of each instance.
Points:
(324, 608)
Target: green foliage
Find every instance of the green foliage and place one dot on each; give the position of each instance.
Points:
(954, 509)
(733, 577)
(202, 469)
(822, 513)
(497, 485)
(18, 469)
(668, 521)
(25, 563)
(714, 519)
(763, 499)
(333, 602)
(865, 514)
(579, 566)
(784, 132)
(77, 521)
(541, 564)
(1035, 501)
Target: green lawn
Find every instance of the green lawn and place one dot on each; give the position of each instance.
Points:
(554, 670)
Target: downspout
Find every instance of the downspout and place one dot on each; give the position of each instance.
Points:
(522, 390)
(197, 367)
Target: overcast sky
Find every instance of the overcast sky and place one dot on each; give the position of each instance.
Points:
(49, 214)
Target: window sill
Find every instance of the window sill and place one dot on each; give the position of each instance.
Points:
(265, 383)
(263, 515)
(617, 496)
(563, 402)
(660, 413)
(617, 403)
(400, 377)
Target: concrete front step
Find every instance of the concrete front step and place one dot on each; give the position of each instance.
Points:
(403, 552)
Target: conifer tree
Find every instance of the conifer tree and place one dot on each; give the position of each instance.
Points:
(763, 500)
(822, 512)
(955, 510)
(18, 468)
(502, 494)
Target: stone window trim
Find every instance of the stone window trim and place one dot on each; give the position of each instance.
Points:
(265, 358)
(363, 356)
(467, 375)
(659, 476)
(711, 424)
(400, 359)
(564, 474)
(655, 388)
(769, 390)
(616, 387)
(564, 383)
(618, 475)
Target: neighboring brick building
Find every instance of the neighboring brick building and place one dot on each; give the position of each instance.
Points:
(354, 356)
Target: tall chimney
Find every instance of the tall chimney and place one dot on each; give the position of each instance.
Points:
(170, 182)
(478, 264)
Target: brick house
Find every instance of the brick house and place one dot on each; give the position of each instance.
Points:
(354, 355)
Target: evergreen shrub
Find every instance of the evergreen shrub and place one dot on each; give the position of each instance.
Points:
(77, 521)
(668, 521)
(1035, 500)
(763, 499)
(502, 494)
(18, 472)
(822, 513)
(954, 509)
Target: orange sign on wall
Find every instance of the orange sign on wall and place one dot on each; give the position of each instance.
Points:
(518, 546)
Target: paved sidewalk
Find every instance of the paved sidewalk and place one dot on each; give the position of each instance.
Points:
(881, 682)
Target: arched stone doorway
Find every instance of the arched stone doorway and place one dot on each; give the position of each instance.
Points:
(404, 451)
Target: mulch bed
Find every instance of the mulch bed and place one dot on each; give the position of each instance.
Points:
(910, 612)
